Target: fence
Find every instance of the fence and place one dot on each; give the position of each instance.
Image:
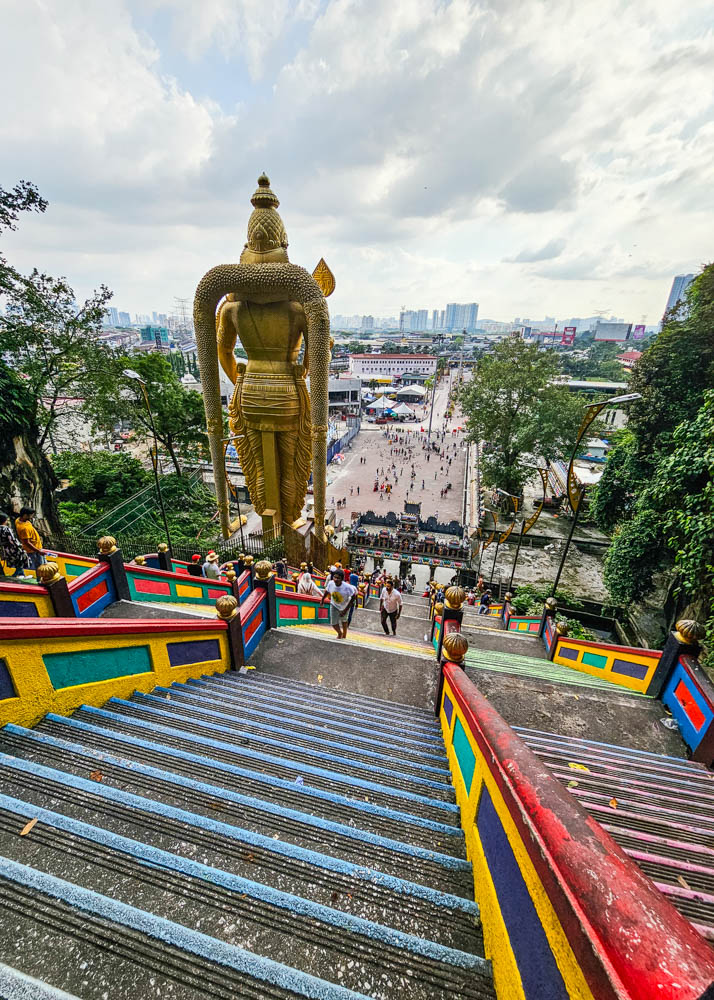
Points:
(263, 545)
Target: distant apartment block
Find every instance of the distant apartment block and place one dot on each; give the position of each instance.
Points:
(461, 316)
(679, 288)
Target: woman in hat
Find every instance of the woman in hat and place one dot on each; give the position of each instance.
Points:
(211, 569)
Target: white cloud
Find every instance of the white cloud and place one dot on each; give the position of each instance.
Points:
(415, 144)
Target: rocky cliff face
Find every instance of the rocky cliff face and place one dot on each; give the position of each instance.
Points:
(26, 475)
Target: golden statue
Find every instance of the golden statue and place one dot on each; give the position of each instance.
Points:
(270, 305)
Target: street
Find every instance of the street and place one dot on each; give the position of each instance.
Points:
(378, 447)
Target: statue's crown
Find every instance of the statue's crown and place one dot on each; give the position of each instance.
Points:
(266, 231)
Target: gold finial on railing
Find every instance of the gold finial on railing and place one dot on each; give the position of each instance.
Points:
(162, 547)
(107, 544)
(561, 628)
(551, 605)
(248, 561)
(455, 597)
(439, 608)
(48, 573)
(263, 569)
(140, 560)
(226, 607)
(455, 645)
(689, 632)
(230, 575)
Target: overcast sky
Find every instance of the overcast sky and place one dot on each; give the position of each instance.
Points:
(539, 158)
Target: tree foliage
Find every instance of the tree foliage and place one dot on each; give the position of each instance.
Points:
(177, 412)
(656, 489)
(513, 404)
(52, 342)
(104, 476)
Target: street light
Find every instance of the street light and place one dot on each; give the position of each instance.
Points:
(135, 377)
(528, 522)
(576, 492)
(504, 535)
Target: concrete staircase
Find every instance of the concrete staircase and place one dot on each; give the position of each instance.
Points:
(247, 835)
(659, 809)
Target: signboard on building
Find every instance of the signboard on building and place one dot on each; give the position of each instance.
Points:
(638, 333)
(613, 332)
(568, 338)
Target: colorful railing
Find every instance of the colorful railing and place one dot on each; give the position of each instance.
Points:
(565, 913)
(254, 621)
(146, 584)
(436, 632)
(299, 609)
(689, 695)
(58, 664)
(69, 566)
(25, 600)
(93, 591)
(530, 626)
(626, 666)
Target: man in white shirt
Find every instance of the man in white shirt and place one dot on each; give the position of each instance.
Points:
(342, 596)
(390, 606)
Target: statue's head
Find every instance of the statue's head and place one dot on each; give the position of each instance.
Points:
(267, 239)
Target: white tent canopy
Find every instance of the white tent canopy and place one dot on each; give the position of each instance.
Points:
(402, 409)
(411, 390)
(380, 404)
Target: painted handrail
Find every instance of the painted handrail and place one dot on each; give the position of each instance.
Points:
(627, 939)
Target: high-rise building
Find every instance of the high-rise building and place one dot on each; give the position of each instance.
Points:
(124, 319)
(679, 288)
(367, 323)
(422, 319)
(461, 316)
(112, 317)
(435, 319)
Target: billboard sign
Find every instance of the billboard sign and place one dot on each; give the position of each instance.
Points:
(568, 338)
(639, 333)
(613, 332)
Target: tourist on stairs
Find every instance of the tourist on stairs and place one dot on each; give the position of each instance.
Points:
(306, 585)
(342, 596)
(390, 606)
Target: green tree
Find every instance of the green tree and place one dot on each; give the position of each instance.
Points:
(513, 404)
(53, 342)
(104, 476)
(177, 411)
(672, 522)
(50, 339)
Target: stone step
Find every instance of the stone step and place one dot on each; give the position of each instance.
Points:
(409, 626)
(242, 755)
(151, 708)
(219, 697)
(274, 703)
(659, 809)
(481, 659)
(428, 865)
(358, 811)
(312, 938)
(207, 710)
(354, 889)
(15, 985)
(389, 713)
(100, 947)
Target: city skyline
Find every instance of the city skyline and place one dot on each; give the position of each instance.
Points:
(577, 183)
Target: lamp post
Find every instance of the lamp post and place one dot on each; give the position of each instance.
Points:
(233, 489)
(576, 492)
(504, 535)
(528, 522)
(135, 377)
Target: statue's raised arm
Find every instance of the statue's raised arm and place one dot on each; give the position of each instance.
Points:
(270, 305)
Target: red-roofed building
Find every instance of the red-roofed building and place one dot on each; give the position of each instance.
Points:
(367, 366)
(628, 358)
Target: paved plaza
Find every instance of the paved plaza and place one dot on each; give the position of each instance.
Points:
(378, 444)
